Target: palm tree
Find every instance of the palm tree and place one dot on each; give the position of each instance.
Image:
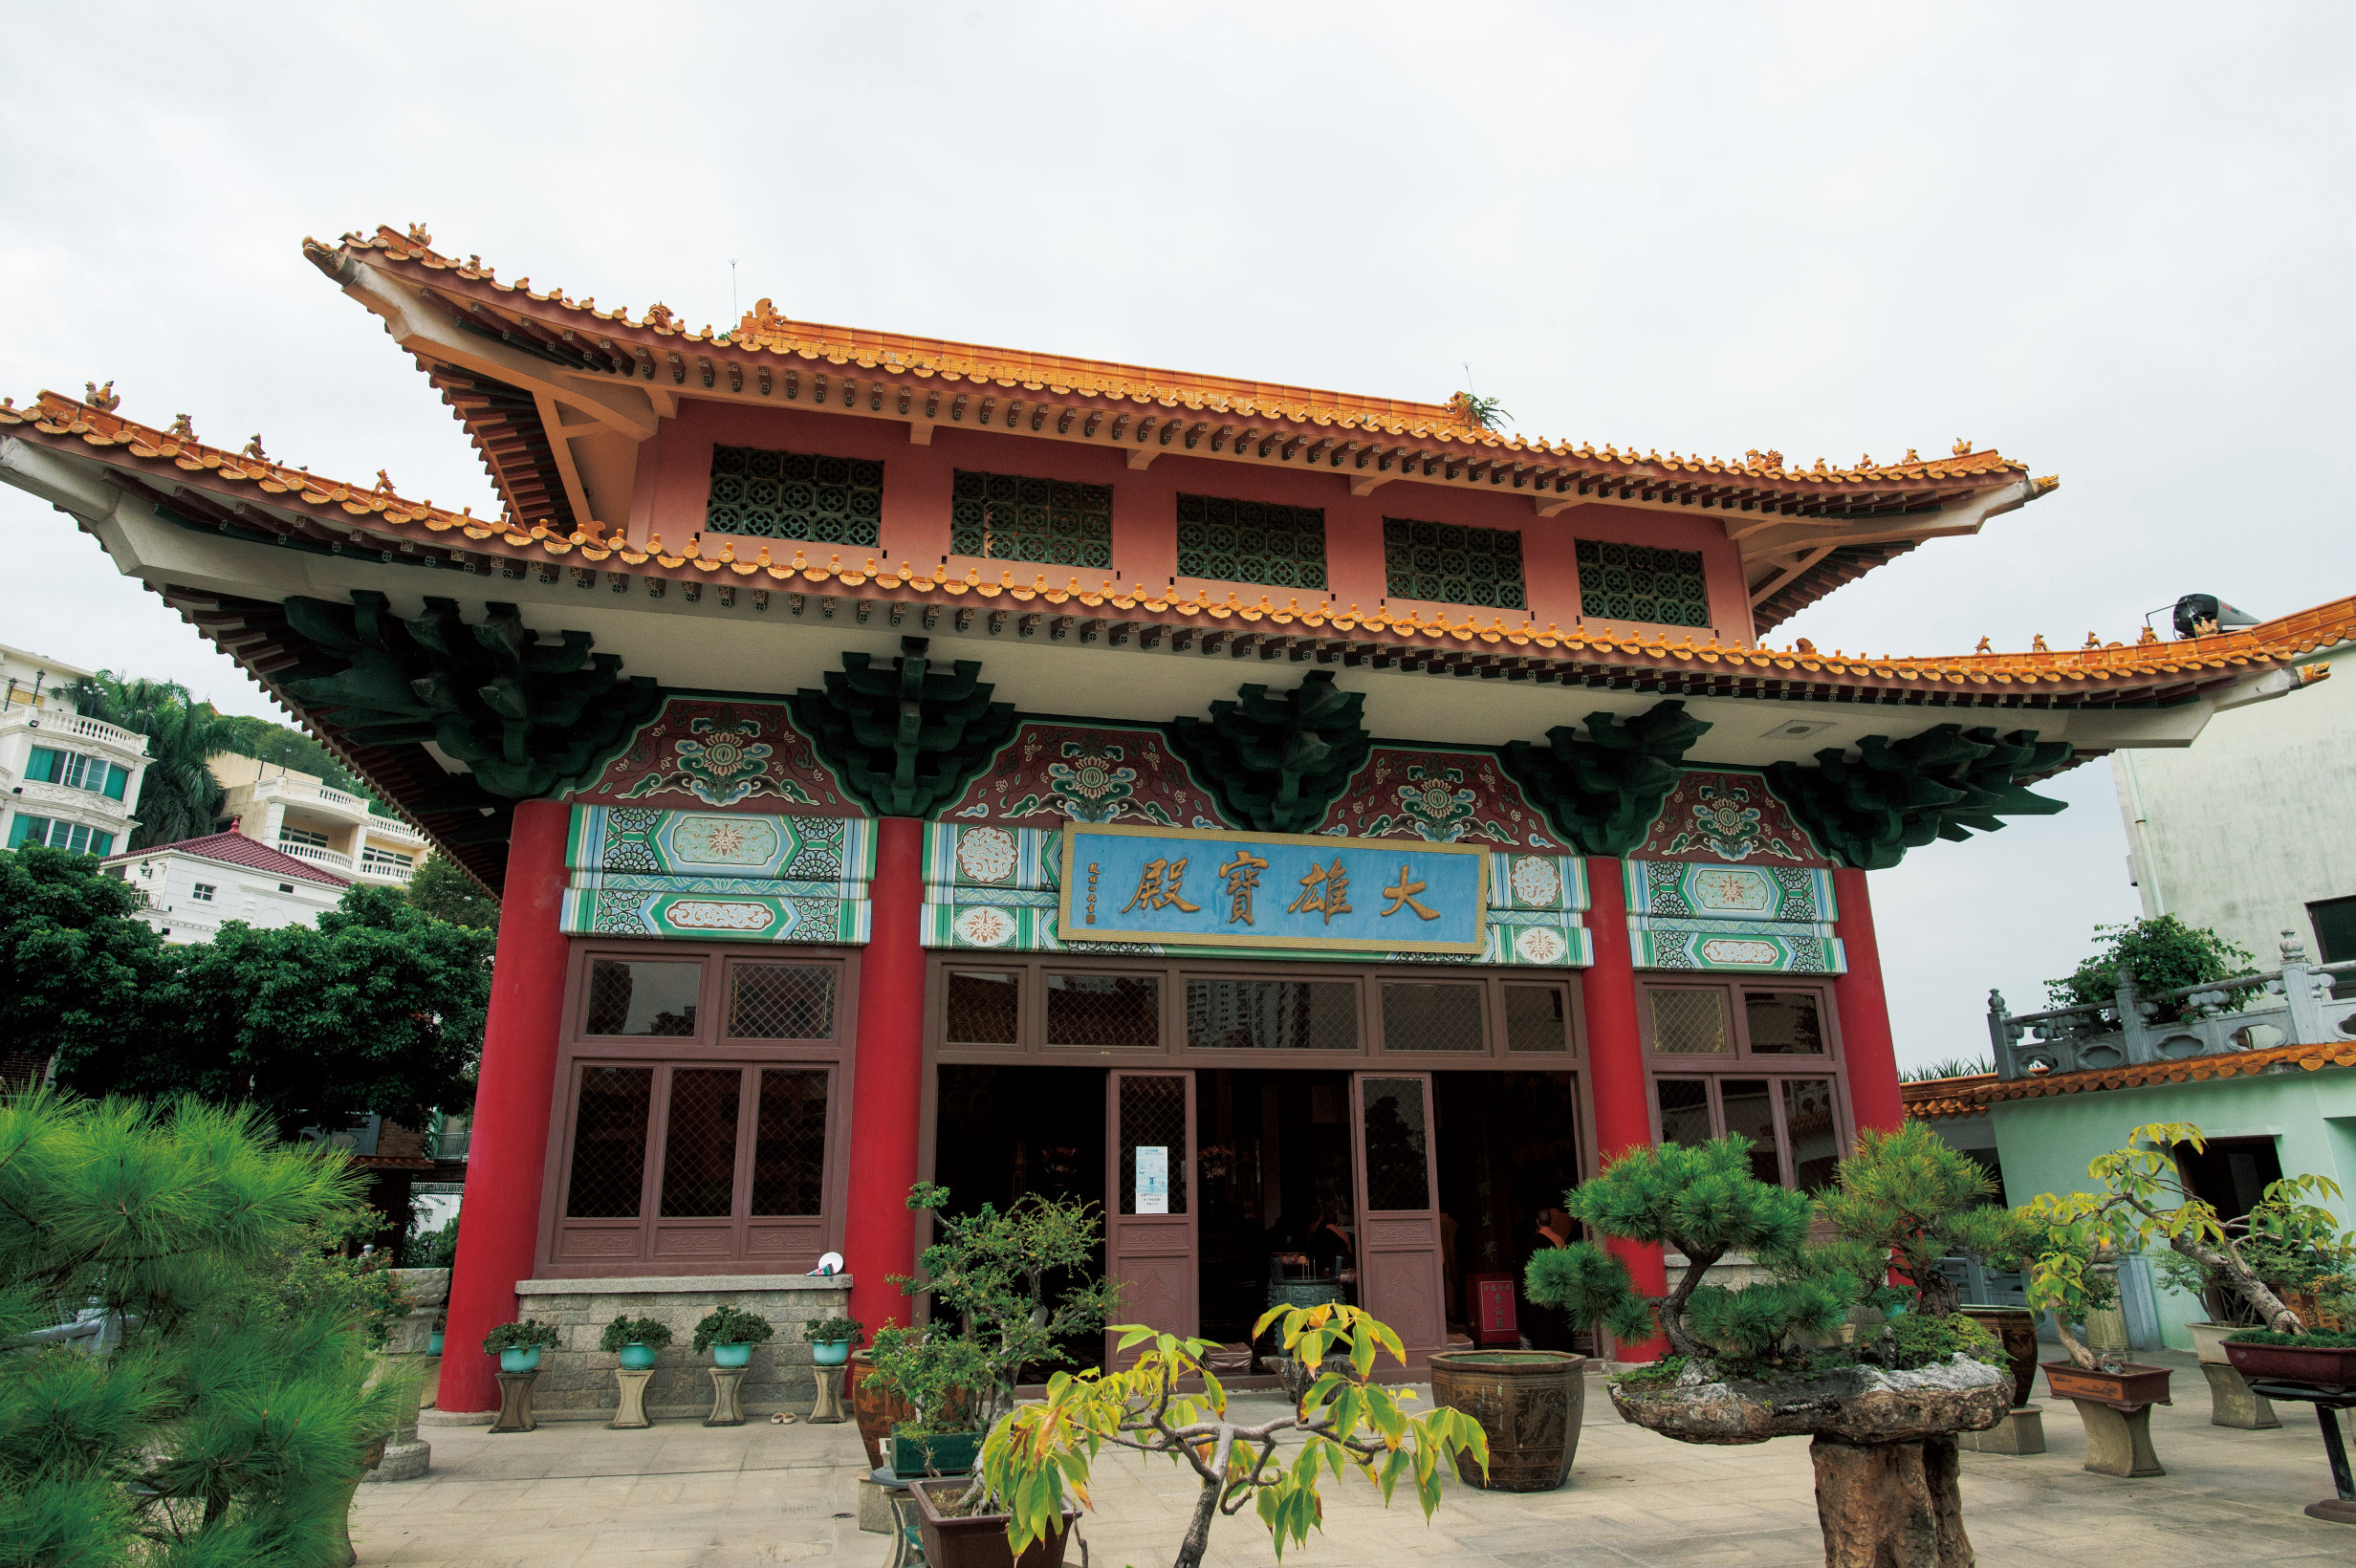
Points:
(178, 798)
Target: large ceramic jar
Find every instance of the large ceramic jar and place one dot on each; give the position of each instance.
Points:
(1529, 1404)
(2015, 1330)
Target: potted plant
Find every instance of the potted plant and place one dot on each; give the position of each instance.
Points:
(441, 1326)
(519, 1346)
(1753, 1363)
(1014, 1506)
(730, 1334)
(636, 1340)
(831, 1339)
(936, 1370)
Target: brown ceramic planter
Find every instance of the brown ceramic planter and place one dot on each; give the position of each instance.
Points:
(979, 1541)
(2332, 1365)
(2015, 1330)
(2130, 1388)
(876, 1411)
(1529, 1404)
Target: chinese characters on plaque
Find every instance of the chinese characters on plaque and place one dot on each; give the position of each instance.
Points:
(1283, 891)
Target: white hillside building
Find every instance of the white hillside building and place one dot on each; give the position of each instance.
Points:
(65, 781)
(196, 886)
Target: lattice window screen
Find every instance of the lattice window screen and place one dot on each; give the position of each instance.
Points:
(1153, 1112)
(781, 1001)
(1449, 564)
(795, 496)
(1689, 1022)
(609, 1142)
(1104, 1009)
(1015, 517)
(982, 1008)
(1420, 1016)
(1272, 1014)
(1251, 541)
(1637, 582)
(1685, 1111)
(1398, 1176)
(699, 1148)
(789, 1148)
(1537, 1018)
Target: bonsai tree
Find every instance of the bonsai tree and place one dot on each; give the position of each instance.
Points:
(935, 1368)
(1345, 1421)
(991, 1275)
(626, 1330)
(2143, 1201)
(731, 1326)
(834, 1331)
(1904, 1201)
(523, 1335)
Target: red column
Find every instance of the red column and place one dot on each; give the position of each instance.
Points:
(1866, 1046)
(1616, 1064)
(888, 1079)
(500, 1234)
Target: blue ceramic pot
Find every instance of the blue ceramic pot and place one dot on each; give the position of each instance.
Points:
(433, 1343)
(523, 1358)
(731, 1354)
(637, 1357)
(830, 1352)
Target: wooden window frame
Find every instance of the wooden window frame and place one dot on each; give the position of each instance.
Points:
(705, 1047)
(1843, 1126)
(1742, 1062)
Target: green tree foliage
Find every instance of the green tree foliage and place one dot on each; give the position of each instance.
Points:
(2162, 952)
(291, 749)
(1345, 1421)
(380, 1009)
(1704, 1202)
(1906, 1200)
(447, 893)
(178, 797)
(229, 1428)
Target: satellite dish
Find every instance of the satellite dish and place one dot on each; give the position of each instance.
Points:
(2195, 608)
(830, 1265)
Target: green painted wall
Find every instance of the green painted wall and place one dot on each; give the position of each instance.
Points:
(2046, 1144)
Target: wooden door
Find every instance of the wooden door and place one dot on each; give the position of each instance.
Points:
(1149, 1235)
(1399, 1273)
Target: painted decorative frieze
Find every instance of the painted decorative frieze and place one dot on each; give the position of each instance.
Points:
(1762, 919)
(1717, 818)
(999, 888)
(638, 871)
(1440, 797)
(720, 753)
(1051, 774)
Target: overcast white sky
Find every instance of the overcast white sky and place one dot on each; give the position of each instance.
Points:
(2112, 240)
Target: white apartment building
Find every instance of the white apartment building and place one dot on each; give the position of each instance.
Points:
(195, 885)
(298, 815)
(65, 781)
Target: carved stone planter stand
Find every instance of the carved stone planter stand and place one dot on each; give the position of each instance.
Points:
(727, 1410)
(829, 1407)
(2231, 1403)
(1883, 1447)
(2116, 1409)
(630, 1408)
(515, 1401)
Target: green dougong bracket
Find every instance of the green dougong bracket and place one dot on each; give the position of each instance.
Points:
(1603, 790)
(1278, 760)
(1944, 783)
(522, 713)
(908, 740)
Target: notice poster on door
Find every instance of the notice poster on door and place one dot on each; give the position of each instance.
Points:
(1153, 1178)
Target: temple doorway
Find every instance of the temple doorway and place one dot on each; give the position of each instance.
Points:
(1508, 1146)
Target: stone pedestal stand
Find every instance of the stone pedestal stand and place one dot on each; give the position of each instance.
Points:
(408, 1456)
(515, 1401)
(2119, 1441)
(630, 1409)
(726, 1410)
(1883, 1503)
(2231, 1403)
(2021, 1432)
(829, 1407)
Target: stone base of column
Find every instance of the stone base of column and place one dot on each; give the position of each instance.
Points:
(2021, 1432)
(630, 1408)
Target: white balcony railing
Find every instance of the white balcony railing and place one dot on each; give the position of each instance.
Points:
(392, 871)
(352, 808)
(73, 727)
(79, 805)
(316, 856)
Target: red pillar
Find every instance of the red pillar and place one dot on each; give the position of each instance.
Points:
(888, 1079)
(1868, 1048)
(1616, 1064)
(499, 1232)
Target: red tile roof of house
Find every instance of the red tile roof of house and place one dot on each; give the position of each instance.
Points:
(236, 849)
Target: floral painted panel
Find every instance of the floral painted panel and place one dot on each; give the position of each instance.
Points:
(1443, 798)
(640, 871)
(1051, 774)
(1727, 816)
(1758, 919)
(720, 754)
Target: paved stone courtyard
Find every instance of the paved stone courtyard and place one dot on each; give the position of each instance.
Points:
(681, 1497)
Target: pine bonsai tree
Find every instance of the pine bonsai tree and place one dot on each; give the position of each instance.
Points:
(229, 1426)
(1904, 1201)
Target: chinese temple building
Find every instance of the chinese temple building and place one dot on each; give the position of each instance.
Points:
(1319, 828)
